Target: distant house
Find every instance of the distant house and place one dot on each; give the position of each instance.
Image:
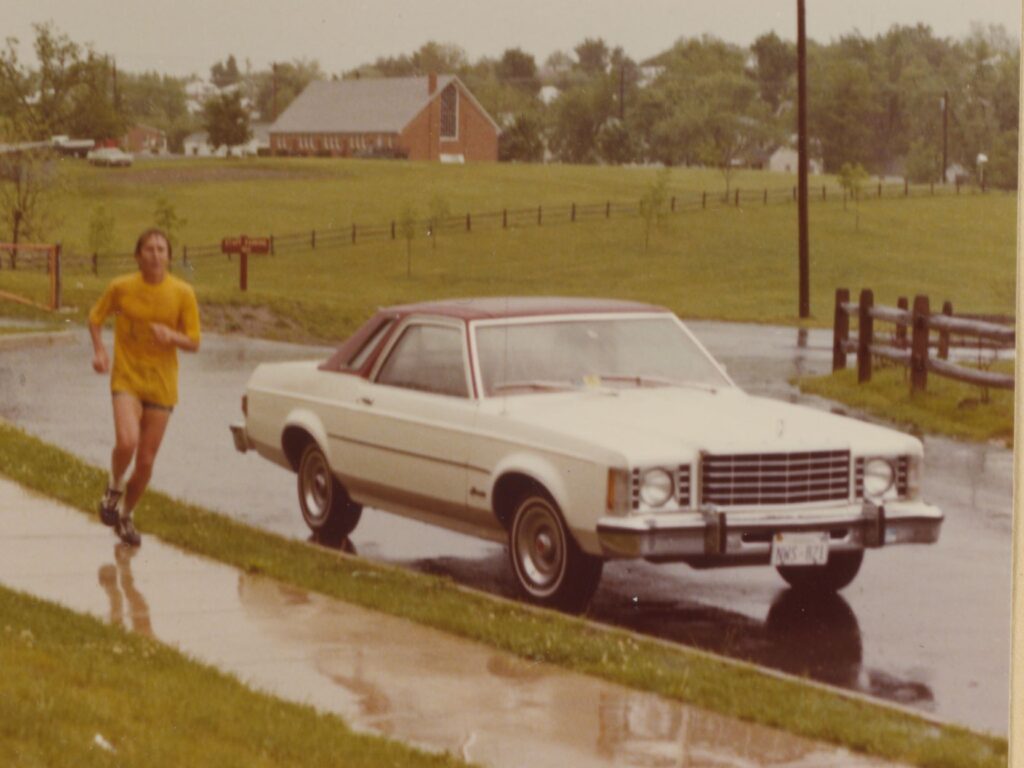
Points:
(785, 159)
(198, 145)
(142, 138)
(421, 118)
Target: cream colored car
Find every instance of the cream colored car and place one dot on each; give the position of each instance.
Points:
(577, 431)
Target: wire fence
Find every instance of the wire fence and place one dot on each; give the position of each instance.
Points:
(336, 238)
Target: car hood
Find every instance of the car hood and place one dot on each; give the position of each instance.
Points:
(663, 422)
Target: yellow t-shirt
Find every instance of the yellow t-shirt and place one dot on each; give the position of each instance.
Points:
(142, 366)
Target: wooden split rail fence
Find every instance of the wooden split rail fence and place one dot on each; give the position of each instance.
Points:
(915, 353)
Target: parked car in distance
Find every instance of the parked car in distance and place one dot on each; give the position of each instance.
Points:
(578, 431)
(109, 156)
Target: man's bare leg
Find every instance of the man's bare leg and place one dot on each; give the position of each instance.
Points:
(151, 433)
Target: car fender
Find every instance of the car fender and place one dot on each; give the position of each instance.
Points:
(309, 422)
(537, 467)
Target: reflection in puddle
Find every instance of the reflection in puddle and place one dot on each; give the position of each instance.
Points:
(119, 584)
(445, 694)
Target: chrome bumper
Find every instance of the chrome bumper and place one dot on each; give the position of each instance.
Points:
(718, 535)
(241, 438)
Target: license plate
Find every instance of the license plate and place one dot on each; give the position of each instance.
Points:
(800, 548)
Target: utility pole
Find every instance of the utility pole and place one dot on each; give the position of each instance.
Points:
(273, 91)
(801, 65)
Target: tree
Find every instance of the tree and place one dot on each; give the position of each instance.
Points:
(71, 91)
(519, 70)
(615, 142)
(101, 231)
(226, 120)
(592, 56)
(851, 179)
(439, 58)
(165, 216)
(522, 141)
(774, 69)
(922, 163)
(29, 182)
(579, 114)
(653, 205)
(439, 211)
(1002, 162)
(225, 74)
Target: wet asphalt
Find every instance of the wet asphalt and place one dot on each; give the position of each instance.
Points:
(927, 627)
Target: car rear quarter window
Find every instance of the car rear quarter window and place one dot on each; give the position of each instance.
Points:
(427, 358)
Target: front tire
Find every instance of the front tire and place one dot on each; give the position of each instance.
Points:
(841, 569)
(549, 567)
(325, 504)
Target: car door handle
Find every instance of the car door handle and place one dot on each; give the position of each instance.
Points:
(366, 400)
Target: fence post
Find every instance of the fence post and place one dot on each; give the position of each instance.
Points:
(919, 346)
(608, 209)
(766, 197)
(865, 332)
(901, 330)
(504, 218)
(539, 212)
(272, 253)
(737, 198)
(243, 269)
(703, 199)
(824, 192)
(947, 310)
(573, 218)
(312, 239)
(392, 229)
(353, 234)
(96, 262)
(840, 330)
(673, 205)
(879, 189)
(469, 223)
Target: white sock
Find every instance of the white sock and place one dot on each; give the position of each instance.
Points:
(116, 483)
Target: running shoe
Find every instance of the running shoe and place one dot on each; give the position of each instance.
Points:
(108, 507)
(125, 530)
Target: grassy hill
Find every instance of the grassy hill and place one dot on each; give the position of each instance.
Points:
(727, 262)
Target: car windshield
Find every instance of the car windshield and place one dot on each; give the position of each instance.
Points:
(552, 355)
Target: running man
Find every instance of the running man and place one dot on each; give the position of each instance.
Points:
(156, 314)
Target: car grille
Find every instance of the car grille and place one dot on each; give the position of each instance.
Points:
(902, 464)
(765, 479)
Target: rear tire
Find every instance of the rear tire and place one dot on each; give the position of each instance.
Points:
(549, 567)
(841, 569)
(325, 504)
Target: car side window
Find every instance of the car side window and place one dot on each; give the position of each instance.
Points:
(427, 358)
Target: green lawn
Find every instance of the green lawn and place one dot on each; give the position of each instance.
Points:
(724, 262)
(675, 672)
(947, 407)
(69, 678)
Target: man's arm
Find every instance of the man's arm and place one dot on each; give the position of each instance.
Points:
(166, 335)
(100, 360)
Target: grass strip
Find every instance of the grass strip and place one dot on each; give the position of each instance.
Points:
(677, 673)
(68, 679)
(948, 407)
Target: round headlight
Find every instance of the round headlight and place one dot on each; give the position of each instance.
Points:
(879, 476)
(656, 487)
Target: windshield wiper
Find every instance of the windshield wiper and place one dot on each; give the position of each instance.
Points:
(532, 384)
(656, 381)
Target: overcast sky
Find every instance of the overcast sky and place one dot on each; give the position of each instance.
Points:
(182, 37)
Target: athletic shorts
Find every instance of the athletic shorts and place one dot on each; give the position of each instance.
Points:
(146, 403)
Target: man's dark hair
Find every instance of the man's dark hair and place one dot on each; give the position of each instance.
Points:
(153, 232)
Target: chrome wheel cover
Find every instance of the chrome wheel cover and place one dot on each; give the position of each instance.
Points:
(540, 548)
(315, 484)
